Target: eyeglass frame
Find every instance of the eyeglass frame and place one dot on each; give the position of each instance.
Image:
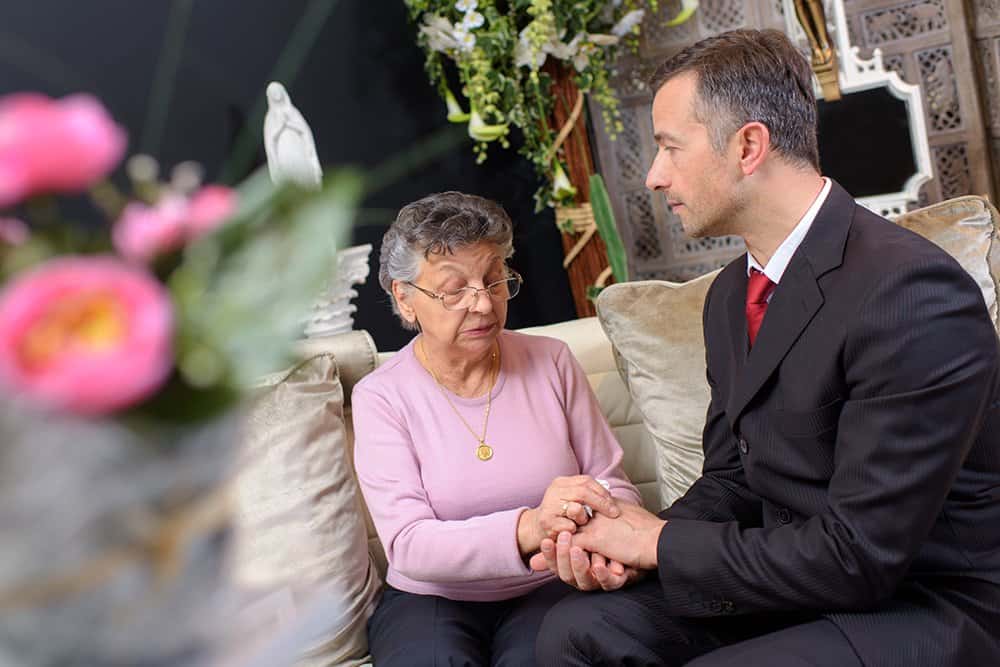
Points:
(439, 296)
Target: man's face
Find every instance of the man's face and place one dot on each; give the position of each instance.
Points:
(699, 183)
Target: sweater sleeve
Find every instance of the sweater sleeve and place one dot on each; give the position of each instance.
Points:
(596, 448)
(417, 543)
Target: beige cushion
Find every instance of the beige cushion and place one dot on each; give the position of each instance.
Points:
(591, 347)
(299, 524)
(966, 228)
(656, 328)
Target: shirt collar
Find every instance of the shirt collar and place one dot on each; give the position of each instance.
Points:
(783, 255)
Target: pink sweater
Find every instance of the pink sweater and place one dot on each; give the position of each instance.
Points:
(447, 520)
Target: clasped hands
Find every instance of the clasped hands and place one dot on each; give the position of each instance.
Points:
(604, 551)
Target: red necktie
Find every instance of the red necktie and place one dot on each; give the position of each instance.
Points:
(759, 286)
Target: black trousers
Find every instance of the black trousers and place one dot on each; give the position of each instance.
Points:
(423, 630)
(631, 627)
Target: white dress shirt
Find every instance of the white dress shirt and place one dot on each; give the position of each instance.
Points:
(783, 255)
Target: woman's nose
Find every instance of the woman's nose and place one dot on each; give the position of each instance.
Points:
(482, 303)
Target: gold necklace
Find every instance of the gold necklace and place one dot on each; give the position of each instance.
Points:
(483, 451)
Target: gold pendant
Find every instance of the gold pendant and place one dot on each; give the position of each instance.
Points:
(484, 452)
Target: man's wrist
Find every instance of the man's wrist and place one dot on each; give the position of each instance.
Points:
(650, 545)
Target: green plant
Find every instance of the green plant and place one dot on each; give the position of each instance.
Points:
(495, 49)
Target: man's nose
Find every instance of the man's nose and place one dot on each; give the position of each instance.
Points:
(658, 178)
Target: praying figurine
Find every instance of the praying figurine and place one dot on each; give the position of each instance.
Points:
(288, 142)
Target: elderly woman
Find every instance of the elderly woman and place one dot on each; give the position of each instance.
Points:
(473, 444)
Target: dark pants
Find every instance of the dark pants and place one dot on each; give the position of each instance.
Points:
(418, 630)
(632, 627)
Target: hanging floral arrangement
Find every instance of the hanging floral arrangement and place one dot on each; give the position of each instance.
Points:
(486, 59)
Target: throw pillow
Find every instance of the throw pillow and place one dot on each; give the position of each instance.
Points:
(299, 521)
(965, 228)
(656, 328)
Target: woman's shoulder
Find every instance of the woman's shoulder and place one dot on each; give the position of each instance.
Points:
(390, 375)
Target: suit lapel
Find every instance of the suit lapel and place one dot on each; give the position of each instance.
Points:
(793, 305)
(796, 301)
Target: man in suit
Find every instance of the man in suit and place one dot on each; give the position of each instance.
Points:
(848, 512)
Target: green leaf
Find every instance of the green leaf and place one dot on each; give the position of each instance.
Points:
(604, 217)
(243, 293)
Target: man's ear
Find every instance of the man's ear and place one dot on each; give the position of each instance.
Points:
(402, 292)
(753, 143)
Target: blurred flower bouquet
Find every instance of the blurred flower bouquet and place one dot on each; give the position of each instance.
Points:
(498, 50)
(125, 348)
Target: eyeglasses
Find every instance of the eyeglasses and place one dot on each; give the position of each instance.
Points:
(465, 298)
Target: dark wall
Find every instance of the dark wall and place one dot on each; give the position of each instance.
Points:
(361, 86)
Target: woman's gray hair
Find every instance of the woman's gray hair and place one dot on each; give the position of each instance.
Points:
(439, 224)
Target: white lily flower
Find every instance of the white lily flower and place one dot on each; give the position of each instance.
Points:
(561, 187)
(603, 40)
(687, 9)
(466, 5)
(466, 39)
(628, 22)
(480, 131)
(455, 112)
(564, 51)
(582, 58)
(525, 55)
(472, 20)
(440, 33)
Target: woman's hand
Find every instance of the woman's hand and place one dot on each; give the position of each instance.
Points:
(583, 571)
(562, 510)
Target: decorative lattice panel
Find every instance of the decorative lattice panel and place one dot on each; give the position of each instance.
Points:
(926, 42)
(985, 21)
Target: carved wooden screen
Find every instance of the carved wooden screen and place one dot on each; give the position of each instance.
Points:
(925, 41)
(986, 31)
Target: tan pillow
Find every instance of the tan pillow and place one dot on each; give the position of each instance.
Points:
(656, 328)
(965, 227)
(299, 521)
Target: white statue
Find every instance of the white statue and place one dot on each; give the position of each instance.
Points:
(291, 157)
(288, 142)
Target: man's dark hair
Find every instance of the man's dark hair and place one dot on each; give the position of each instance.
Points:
(751, 75)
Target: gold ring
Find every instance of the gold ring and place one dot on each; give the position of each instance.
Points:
(564, 508)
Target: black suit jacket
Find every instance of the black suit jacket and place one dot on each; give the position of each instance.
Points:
(852, 457)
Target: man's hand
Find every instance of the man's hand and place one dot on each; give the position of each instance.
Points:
(631, 539)
(580, 570)
(562, 510)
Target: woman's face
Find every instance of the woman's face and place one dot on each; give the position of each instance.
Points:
(470, 332)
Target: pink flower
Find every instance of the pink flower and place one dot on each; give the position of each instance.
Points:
(48, 145)
(13, 231)
(88, 335)
(143, 232)
(209, 207)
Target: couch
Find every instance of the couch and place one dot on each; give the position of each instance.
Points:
(301, 524)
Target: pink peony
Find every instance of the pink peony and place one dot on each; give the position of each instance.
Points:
(13, 231)
(143, 232)
(208, 208)
(54, 146)
(85, 334)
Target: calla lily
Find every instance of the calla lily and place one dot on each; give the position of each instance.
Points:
(481, 131)
(561, 187)
(687, 9)
(631, 20)
(603, 40)
(455, 112)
